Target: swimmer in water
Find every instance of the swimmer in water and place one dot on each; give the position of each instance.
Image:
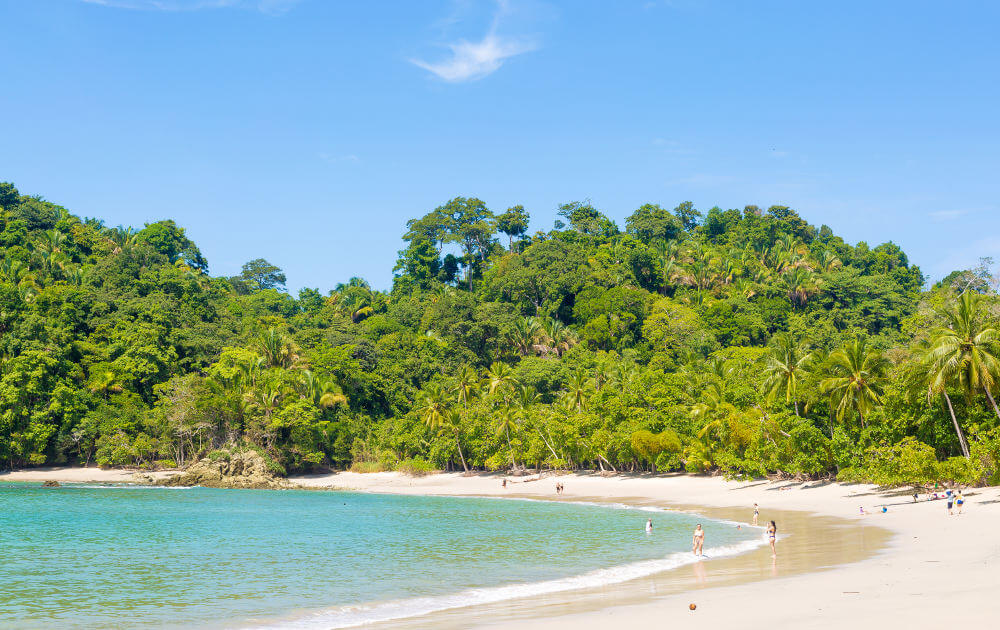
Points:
(698, 541)
(649, 526)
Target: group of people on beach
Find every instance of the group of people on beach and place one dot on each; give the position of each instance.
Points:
(698, 539)
(559, 487)
(953, 499)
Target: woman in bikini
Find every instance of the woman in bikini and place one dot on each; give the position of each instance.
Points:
(698, 540)
(772, 532)
(756, 513)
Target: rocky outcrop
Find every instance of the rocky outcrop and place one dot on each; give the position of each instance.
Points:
(50, 484)
(230, 470)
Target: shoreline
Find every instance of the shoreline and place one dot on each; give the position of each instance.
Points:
(914, 564)
(928, 567)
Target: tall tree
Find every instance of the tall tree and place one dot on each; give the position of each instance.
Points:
(965, 349)
(687, 214)
(260, 275)
(786, 366)
(513, 223)
(472, 226)
(856, 376)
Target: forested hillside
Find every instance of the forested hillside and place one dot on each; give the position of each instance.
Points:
(743, 341)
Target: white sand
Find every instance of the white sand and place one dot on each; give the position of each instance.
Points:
(938, 569)
(80, 475)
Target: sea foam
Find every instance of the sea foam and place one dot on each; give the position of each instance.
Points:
(357, 615)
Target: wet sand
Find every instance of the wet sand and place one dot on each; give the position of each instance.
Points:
(808, 543)
(914, 566)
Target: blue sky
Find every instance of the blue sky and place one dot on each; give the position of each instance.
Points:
(308, 131)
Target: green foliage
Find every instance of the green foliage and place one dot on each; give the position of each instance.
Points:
(745, 342)
(415, 467)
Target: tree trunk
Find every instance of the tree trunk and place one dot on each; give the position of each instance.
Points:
(992, 402)
(602, 459)
(460, 454)
(549, 446)
(795, 404)
(510, 448)
(958, 429)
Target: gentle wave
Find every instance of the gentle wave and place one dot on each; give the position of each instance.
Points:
(351, 616)
(124, 486)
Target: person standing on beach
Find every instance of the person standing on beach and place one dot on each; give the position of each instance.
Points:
(698, 540)
(504, 484)
(951, 499)
(959, 500)
(756, 513)
(772, 533)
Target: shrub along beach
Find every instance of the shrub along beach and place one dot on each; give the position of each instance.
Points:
(741, 341)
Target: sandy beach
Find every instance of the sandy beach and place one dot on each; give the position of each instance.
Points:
(835, 568)
(929, 569)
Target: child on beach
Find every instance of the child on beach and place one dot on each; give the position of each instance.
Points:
(698, 540)
(959, 500)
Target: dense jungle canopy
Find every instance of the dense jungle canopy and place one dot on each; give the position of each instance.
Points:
(742, 341)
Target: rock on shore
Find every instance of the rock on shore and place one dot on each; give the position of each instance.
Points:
(237, 470)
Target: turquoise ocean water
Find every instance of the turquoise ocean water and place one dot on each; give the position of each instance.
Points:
(84, 556)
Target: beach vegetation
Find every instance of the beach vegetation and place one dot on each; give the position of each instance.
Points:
(743, 342)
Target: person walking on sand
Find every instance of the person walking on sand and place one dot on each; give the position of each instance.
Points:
(504, 484)
(698, 541)
(959, 500)
(756, 513)
(772, 532)
(951, 500)
(649, 526)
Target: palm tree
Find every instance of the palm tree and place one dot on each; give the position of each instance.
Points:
(277, 349)
(505, 422)
(105, 383)
(965, 349)
(122, 240)
(432, 405)
(800, 284)
(323, 393)
(466, 384)
(522, 336)
(623, 376)
(828, 261)
(714, 411)
(499, 378)
(452, 424)
(785, 369)
(856, 376)
(578, 391)
(558, 337)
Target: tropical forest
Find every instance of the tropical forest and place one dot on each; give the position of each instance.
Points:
(744, 342)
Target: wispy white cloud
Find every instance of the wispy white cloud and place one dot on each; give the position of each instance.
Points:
(704, 179)
(264, 6)
(947, 215)
(333, 159)
(470, 61)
